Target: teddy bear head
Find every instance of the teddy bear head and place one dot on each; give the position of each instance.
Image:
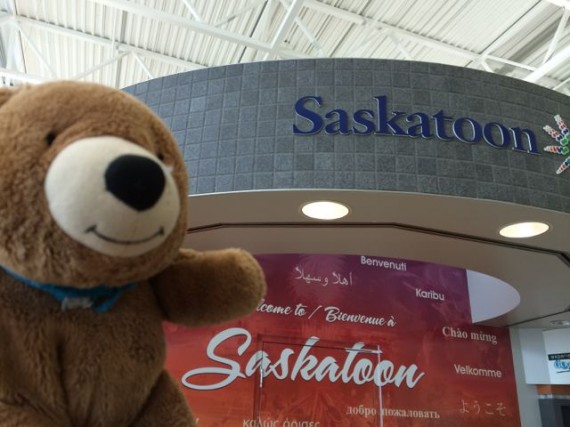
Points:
(92, 186)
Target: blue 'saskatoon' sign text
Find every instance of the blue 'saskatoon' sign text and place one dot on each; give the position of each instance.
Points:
(418, 124)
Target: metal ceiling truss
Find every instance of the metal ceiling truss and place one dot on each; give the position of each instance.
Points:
(18, 74)
(13, 28)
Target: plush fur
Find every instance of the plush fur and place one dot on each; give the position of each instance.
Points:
(79, 367)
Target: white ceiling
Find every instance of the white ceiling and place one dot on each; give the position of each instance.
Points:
(122, 42)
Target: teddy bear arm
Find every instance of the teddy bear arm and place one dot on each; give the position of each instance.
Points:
(202, 288)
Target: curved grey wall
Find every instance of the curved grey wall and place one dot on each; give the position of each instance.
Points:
(234, 125)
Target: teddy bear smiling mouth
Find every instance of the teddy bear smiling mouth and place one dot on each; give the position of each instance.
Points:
(93, 229)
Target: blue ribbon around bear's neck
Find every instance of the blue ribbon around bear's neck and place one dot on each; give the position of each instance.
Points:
(100, 298)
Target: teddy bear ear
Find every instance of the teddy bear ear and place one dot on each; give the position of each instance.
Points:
(6, 93)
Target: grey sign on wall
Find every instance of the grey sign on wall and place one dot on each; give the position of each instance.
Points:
(366, 124)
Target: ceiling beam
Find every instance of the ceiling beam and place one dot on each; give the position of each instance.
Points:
(238, 13)
(262, 29)
(560, 3)
(108, 43)
(117, 41)
(486, 66)
(560, 58)
(285, 26)
(337, 12)
(508, 62)
(22, 77)
(516, 26)
(357, 19)
(97, 67)
(11, 43)
(429, 42)
(36, 51)
(407, 55)
(196, 26)
(15, 52)
(192, 10)
(308, 34)
(564, 83)
(556, 38)
(143, 65)
(199, 27)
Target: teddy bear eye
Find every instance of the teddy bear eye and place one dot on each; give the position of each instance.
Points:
(50, 137)
(160, 157)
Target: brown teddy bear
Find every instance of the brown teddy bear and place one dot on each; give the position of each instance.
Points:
(92, 216)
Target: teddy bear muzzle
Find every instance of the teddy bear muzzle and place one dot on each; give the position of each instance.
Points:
(112, 195)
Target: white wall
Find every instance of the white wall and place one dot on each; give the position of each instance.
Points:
(527, 396)
(533, 356)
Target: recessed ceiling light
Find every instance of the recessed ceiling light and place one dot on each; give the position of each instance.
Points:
(523, 230)
(325, 210)
(560, 322)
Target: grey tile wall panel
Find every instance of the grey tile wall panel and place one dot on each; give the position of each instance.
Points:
(234, 126)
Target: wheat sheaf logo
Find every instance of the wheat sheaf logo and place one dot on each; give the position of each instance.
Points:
(562, 138)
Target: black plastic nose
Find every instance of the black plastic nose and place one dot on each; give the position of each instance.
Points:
(135, 180)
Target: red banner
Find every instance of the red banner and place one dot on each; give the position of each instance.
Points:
(350, 341)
